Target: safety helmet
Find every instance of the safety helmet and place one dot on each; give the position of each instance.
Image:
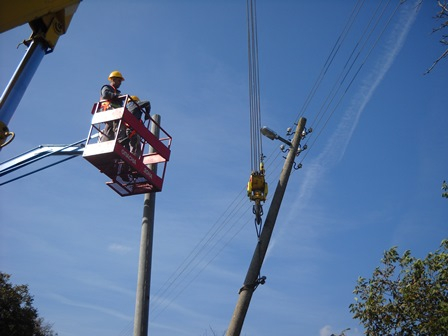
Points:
(116, 74)
(135, 98)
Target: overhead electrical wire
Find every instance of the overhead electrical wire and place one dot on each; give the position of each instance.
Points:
(331, 56)
(215, 238)
(329, 110)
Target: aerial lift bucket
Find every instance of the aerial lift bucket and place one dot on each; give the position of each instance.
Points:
(131, 171)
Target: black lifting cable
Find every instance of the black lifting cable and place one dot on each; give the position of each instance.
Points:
(256, 187)
(254, 86)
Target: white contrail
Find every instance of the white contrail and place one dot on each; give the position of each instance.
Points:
(346, 127)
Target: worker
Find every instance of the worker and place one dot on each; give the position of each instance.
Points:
(110, 100)
(110, 91)
(137, 107)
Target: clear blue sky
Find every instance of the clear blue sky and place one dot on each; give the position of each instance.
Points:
(370, 180)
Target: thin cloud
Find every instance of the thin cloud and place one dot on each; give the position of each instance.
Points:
(103, 283)
(66, 301)
(325, 331)
(119, 248)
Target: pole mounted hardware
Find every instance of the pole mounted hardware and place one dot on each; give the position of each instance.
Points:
(260, 281)
(269, 133)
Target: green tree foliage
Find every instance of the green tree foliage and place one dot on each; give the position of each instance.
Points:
(406, 296)
(18, 317)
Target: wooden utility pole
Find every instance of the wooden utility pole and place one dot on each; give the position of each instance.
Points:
(141, 318)
(252, 278)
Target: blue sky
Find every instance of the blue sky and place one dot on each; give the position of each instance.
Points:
(370, 180)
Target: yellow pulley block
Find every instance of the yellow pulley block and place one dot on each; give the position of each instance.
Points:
(257, 188)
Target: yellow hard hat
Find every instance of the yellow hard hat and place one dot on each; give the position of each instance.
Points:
(135, 98)
(116, 74)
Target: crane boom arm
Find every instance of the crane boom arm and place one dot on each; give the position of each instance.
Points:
(39, 153)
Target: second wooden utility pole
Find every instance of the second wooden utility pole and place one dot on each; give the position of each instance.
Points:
(141, 318)
(252, 278)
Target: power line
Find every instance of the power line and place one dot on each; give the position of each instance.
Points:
(229, 224)
(333, 101)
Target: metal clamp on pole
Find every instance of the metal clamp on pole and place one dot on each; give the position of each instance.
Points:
(253, 286)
